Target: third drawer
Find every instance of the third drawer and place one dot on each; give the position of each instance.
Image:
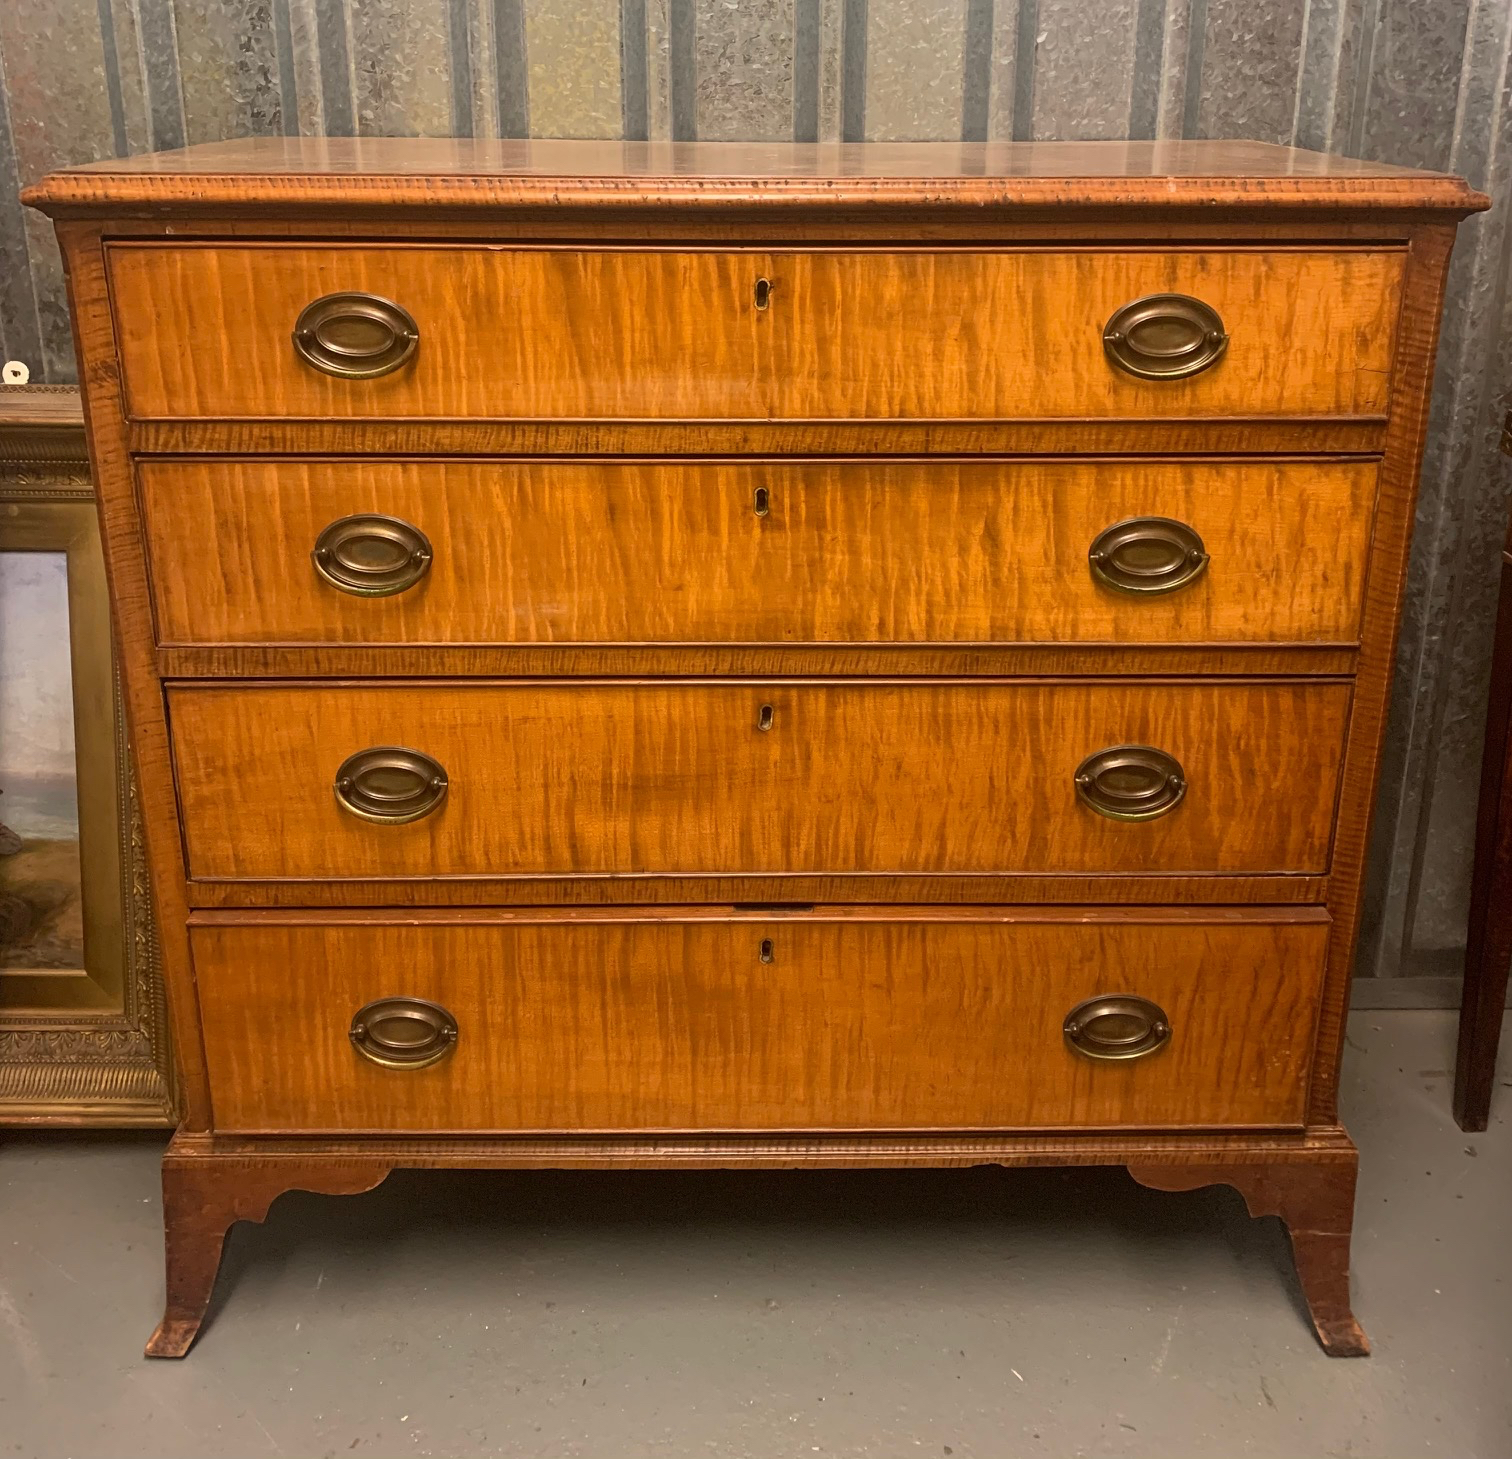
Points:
(419, 779)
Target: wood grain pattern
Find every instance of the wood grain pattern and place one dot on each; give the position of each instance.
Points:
(126, 572)
(204, 331)
(867, 776)
(299, 175)
(652, 1023)
(1278, 435)
(676, 552)
(498, 661)
(1316, 1145)
(1124, 890)
(1411, 398)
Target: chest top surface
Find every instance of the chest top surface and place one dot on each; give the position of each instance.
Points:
(466, 173)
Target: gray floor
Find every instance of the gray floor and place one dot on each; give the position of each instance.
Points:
(979, 1313)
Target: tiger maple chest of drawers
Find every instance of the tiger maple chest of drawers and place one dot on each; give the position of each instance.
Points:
(705, 655)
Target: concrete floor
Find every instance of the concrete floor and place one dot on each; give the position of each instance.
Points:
(981, 1314)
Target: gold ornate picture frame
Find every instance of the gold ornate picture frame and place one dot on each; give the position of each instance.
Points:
(85, 1044)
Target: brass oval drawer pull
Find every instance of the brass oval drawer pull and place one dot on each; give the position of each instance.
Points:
(1147, 555)
(1117, 1026)
(1131, 782)
(355, 336)
(1165, 337)
(372, 556)
(403, 1033)
(390, 785)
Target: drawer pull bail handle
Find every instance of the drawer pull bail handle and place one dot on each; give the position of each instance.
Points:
(403, 1033)
(372, 556)
(1165, 337)
(764, 717)
(763, 293)
(355, 336)
(390, 786)
(1117, 1026)
(1131, 782)
(1147, 555)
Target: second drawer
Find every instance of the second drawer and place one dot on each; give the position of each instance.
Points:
(777, 552)
(594, 778)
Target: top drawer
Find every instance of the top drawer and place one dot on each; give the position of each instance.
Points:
(209, 331)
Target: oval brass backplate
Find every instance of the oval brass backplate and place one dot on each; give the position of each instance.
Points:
(1147, 555)
(355, 336)
(403, 1033)
(1117, 1026)
(372, 556)
(1131, 782)
(1165, 337)
(390, 785)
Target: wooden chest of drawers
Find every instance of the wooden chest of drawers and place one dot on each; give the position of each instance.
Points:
(756, 656)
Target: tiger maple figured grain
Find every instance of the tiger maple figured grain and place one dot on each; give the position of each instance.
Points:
(1277, 435)
(655, 778)
(655, 1023)
(847, 552)
(204, 331)
(767, 661)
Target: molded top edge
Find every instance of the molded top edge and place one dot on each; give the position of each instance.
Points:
(464, 173)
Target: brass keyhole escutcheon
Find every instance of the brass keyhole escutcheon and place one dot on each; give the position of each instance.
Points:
(763, 293)
(765, 716)
(765, 953)
(761, 501)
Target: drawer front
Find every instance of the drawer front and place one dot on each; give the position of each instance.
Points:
(800, 1023)
(208, 331)
(592, 778)
(761, 553)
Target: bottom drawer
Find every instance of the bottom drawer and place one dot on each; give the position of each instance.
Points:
(713, 1020)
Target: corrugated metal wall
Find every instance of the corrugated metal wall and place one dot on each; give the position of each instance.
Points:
(1412, 81)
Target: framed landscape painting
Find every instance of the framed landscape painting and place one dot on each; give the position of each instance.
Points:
(82, 1031)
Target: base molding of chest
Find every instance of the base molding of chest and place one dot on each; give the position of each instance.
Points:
(1307, 1179)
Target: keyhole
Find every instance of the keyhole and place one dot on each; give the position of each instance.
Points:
(766, 949)
(761, 502)
(764, 717)
(763, 293)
